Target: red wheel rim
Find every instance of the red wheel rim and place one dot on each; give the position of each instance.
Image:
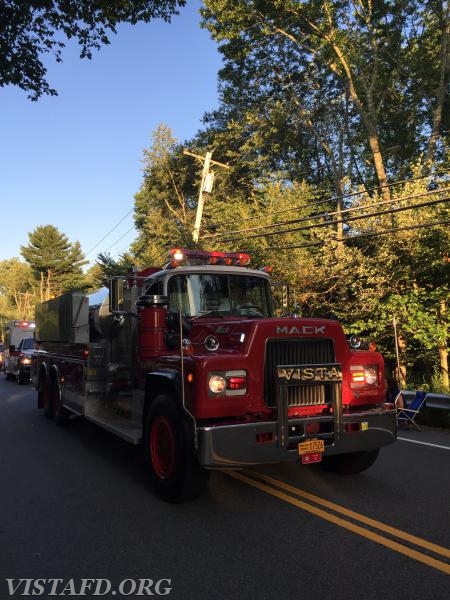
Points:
(162, 447)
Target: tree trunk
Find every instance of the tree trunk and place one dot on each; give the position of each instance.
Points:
(441, 92)
(443, 351)
(48, 284)
(380, 171)
(401, 375)
(443, 364)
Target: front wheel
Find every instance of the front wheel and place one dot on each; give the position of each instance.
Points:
(23, 378)
(351, 463)
(173, 467)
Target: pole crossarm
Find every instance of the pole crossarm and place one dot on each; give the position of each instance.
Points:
(202, 159)
(207, 161)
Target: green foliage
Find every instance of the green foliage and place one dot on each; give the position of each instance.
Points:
(165, 204)
(17, 290)
(106, 267)
(56, 262)
(319, 87)
(31, 29)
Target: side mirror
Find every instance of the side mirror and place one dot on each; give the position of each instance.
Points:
(116, 295)
(12, 348)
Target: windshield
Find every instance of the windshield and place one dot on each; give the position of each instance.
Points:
(28, 344)
(219, 295)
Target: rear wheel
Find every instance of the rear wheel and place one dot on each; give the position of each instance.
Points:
(60, 413)
(45, 398)
(169, 452)
(351, 463)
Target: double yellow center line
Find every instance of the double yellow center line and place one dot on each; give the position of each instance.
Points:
(297, 497)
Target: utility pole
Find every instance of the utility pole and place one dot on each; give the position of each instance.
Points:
(205, 186)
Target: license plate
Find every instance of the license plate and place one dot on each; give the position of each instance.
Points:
(312, 446)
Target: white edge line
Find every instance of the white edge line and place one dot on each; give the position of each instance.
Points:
(423, 443)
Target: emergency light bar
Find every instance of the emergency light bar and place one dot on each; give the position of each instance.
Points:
(24, 324)
(181, 256)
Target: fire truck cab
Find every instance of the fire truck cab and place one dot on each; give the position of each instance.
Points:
(190, 361)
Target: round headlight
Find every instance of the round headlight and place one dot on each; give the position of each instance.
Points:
(355, 341)
(211, 343)
(371, 375)
(217, 384)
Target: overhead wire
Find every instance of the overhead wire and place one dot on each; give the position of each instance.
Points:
(335, 198)
(364, 235)
(109, 233)
(329, 216)
(322, 215)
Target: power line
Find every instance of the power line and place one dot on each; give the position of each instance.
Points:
(328, 215)
(118, 240)
(110, 231)
(334, 198)
(364, 235)
(322, 215)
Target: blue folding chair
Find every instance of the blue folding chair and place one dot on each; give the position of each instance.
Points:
(406, 415)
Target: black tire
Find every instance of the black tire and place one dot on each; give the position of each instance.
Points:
(60, 413)
(174, 470)
(23, 378)
(45, 399)
(351, 463)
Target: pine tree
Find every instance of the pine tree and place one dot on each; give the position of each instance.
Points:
(56, 262)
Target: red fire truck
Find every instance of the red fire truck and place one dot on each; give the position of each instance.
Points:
(189, 361)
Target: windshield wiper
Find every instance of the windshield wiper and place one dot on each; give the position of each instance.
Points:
(207, 313)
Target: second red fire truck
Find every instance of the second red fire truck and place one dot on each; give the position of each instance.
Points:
(190, 361)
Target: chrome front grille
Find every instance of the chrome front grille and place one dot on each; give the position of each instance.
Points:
(310, 395)
(298, 352)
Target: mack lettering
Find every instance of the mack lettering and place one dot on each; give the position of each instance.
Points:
(302, 330)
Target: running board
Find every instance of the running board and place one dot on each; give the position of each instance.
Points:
(126, 429)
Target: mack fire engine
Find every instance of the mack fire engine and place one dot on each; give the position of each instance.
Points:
(190, 361)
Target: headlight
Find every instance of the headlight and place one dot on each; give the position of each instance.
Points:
(371, 375)
(228, 383)
(217, 384)
(364, 375)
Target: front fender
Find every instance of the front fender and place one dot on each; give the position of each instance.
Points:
(164, 380)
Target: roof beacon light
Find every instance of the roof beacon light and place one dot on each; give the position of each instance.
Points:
(215, 257)
(181, 256)
(267, 269)
(240, 259)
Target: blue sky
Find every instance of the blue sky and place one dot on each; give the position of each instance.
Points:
(74, 160)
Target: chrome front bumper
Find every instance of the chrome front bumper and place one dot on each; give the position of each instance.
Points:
(241, 445)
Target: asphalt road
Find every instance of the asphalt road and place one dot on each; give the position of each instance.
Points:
(74, 505)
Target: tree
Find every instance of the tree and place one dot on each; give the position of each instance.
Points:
(30, 29)
(342, 78)
(165, 204)
(56, 262)
(106, 267)
(404, 272)
(17, 286)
